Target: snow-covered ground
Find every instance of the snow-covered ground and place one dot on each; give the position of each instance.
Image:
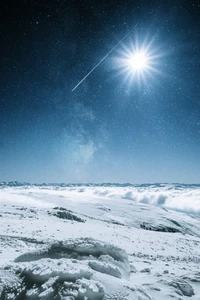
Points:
(119, 242)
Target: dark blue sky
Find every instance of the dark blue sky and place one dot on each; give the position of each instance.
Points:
(110, 129)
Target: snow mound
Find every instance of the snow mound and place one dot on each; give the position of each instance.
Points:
(9, 284)
(102, 256)
(180, 286)
(63, 213)
(80, 269)
(194, 277)
(183, 288)
(106, 268)
(160, 227)
(64, 269)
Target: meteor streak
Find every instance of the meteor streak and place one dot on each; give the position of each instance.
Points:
(105, 56)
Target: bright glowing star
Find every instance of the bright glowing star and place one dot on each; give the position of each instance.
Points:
(137, 61)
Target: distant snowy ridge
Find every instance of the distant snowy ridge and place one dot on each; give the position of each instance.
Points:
(104, 184)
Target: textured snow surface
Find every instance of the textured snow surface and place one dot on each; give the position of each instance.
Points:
(77, 269)
(93, 242)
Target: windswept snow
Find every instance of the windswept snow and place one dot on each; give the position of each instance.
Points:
(77, 269)
(71, 242)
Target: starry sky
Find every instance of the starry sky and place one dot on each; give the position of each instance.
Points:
(114, 127)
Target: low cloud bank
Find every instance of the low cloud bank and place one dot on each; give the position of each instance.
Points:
(185, 198)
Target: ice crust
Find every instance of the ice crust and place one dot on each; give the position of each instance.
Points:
(74, 269)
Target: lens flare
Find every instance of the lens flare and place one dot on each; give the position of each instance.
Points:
(137, 61)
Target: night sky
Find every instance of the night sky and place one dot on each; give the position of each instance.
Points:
(116, 126)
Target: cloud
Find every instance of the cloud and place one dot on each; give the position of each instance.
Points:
(184, 198)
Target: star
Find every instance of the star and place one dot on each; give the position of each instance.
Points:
(137, 61)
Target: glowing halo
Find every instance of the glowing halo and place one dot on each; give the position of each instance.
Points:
(137, 61)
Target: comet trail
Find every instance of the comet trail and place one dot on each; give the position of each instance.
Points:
(105, 56)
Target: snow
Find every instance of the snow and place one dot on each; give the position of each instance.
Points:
(90, 242)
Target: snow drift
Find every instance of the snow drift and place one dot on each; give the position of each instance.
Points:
(74, 269)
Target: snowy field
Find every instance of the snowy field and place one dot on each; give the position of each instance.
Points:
(92, 242)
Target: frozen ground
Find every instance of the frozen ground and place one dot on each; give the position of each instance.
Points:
(91, 242)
